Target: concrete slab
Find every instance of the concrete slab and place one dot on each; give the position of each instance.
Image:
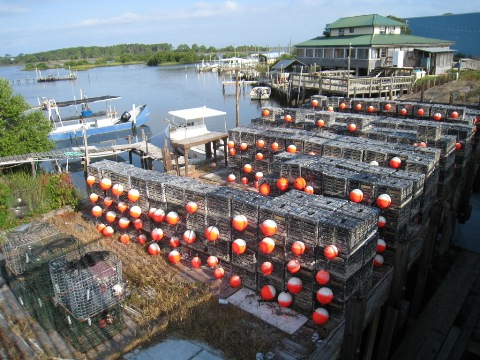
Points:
(176, 349)
(282, 318)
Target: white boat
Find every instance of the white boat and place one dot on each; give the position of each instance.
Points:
(89, 122)
(189, 123)
(260, 93)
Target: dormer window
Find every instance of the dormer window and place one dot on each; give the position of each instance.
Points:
(341, 32)
(352, 30)
(382, 29)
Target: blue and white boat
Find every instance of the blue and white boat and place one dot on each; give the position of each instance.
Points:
(88, 122)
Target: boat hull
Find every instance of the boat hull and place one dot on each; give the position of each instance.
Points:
(141, 119)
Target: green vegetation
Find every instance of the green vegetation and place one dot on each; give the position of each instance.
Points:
(21, 131)
(23, 196)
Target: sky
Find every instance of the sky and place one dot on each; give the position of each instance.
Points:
(30, 26)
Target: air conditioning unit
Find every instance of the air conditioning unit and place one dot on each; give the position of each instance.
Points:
(398, 58)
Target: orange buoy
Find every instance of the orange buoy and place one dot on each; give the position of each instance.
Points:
(437, 116)
(90, 180)
(142, 239)
(231, 144)
(138, 224)
(267, 245)
(285, 299)
(93, 197)
(274, 146)
(314, 103)
(247, 168)
(239, 222)
(125, 238)
(320, 316)
(423, 144)
(266, 268)
(395, 162)
(320, 123)
(264, 189)
(382, 221)
(358, 107)
(232, 152)
(135, 211)
(121, 206)
(159, 215)
(420, 112)
(117, 189)
(174, 257)
(123, 223)
(101, 227)
(269, 227)
(387, 107)
(370, 109)
(212, 261)
(151, 211)
(265, 112)
(298, 248)
(239, 246)
(293, 266)
(172, 218)
(324, 295)
(378, 260)
(212, 233)
(219, 273)
(196, 262)
(299, 183)
(356, 195)
(97, 211)
(352, 127)
(256, 185)
(191, 207)
(342, 106)
(108, 201)
(108, 231)
(157, 234)
(105, 184)
(287, 118)
(243, 146)
(189, 237)
(153, 249)
(244, 180)
(231, 178)
(292, 149)
(282, 184)
(235, 281)
(308, 189)
(384, 201)
(111, 216)
(258, 175)
(330, 252)
(458, 146)
(174, 241)
(294, 285)
(454, 115)
(268, 292)
(133, 195)
(260, 143)
(381, 245)
(322, 277)
(259, 156)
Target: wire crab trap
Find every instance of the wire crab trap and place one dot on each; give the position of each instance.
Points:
(88, 283)
(30, 246)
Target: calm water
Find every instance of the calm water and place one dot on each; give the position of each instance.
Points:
(163, 89)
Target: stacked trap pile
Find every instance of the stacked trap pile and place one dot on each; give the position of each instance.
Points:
(29, 250)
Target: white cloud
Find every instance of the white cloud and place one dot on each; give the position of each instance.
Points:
(12, 10)
(127, 18)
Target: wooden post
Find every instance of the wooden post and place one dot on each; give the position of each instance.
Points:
(353, 326)
(427, 251)
(167, 161)
(422, 95)
(237, 107)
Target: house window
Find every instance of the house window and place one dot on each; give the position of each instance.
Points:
(341, 32)
(319, 53)
(382, 29)
(362, 53)
(374, 54)
(339, 53)
(328, 54)
(352, 30)
(300, 52)
(383, 52)
(309, 53)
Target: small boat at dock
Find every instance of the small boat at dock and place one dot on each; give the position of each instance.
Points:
(260, 93)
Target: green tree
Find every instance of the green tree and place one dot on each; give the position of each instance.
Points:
(21, 131)
(405, 29)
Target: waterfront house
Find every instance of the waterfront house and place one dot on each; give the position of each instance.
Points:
(371, 44)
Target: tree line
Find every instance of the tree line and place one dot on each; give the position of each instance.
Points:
(153, 54)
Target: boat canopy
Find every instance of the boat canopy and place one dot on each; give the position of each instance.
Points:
(196, 113)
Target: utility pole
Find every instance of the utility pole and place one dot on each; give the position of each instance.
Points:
(237, 108)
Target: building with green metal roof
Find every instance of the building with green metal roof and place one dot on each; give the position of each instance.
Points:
(363, 44)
